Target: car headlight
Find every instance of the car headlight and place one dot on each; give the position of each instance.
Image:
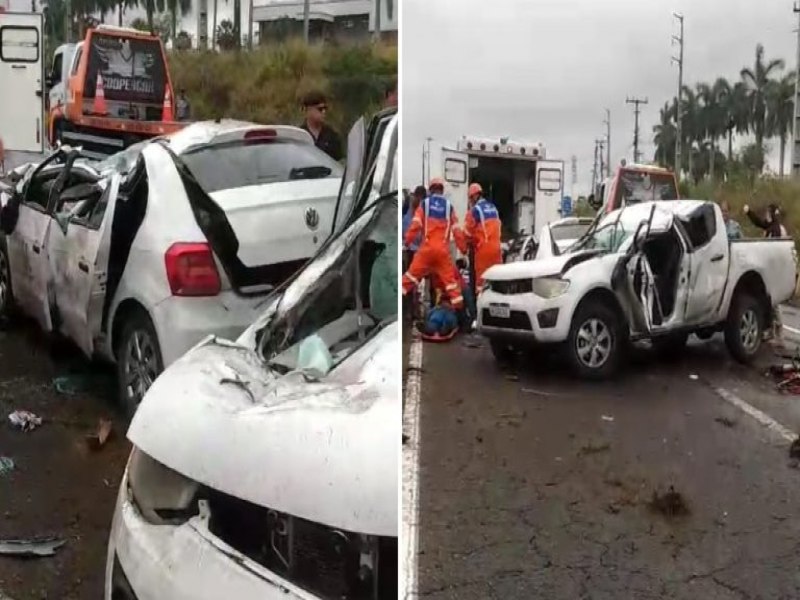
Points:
(163, 496)
(549, 287)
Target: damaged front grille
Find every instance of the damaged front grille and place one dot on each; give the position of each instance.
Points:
(330, 563)
(510, 287)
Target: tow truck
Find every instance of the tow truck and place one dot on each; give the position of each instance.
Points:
(633, 184)
(110, 91)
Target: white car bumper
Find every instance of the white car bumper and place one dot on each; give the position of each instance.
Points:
(181, 323)
(184, 562)
(524, 316)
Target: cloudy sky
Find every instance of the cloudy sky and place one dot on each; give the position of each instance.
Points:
(545, 70)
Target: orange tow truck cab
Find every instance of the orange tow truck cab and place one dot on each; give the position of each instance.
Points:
(111, 90)
(632, 184)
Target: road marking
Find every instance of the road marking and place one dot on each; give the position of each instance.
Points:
(411, 468)
(760, 416)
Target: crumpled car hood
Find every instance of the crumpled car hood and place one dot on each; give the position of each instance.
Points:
(324, 450)
(541, 267)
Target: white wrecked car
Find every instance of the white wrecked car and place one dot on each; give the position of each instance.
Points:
(658, 270)
(268, 468)
(138, 258)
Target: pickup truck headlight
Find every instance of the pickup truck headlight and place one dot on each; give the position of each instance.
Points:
(550, 287)
(163, 496)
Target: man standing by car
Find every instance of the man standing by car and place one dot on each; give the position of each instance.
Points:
(483, 228)
(732, 227)
(325, 137)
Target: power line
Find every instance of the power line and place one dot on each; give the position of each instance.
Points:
(636, 110)
(679, 108)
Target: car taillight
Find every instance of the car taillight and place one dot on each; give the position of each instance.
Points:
(191, 270)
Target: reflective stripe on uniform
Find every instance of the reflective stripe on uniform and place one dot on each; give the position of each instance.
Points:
(411, 277)
(482, 220)
(452, 286)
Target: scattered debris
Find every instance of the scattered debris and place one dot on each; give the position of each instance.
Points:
(6, 465)
(786, 376)
(97, 440)
(479, 439)
(594, 449)
(43, 546)
(669, 504)
(726, 421)
(24, 420)
(69, 385)
(607, 418)
(794, 449)
(512, 377)
(693, 377)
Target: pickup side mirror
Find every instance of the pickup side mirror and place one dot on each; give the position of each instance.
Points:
(594, 202)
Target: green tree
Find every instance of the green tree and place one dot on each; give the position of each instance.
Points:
(664, 136)
(174, 7)
(757, 79)
(692, 129)
(226, 35)
(780, 112)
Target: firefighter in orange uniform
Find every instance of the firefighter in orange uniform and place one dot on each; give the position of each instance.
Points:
(482, 229)
(436, 219)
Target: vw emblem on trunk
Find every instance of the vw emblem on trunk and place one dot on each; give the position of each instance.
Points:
(312, 218)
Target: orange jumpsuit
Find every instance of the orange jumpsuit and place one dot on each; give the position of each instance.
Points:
(483, 234)
(436, 219)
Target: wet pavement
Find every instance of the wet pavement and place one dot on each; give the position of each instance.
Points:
(59, 487)
(535, 485)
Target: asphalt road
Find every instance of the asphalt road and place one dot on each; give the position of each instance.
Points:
(535, 485)
(58, 487)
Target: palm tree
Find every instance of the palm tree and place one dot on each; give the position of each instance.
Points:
(664, 136)
(151, 7)
(757, 81)
(692, 127)
(214, 30)
(174, 7)
(736, 110)
(780, 111)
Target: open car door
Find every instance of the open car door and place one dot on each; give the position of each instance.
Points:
(82, 266)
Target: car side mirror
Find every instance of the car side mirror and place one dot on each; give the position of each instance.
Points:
(594, 202)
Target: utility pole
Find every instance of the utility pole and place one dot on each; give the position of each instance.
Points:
(306, 18)
(428, 156)
(608, 142)
(594, 169)
(601, 159)
(377, 19)
(679, 108)
(574, 175)
(636, 110)
(795, 124)
(250, 26)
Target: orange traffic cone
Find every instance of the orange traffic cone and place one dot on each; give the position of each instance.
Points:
(166, 113)
(100, 107)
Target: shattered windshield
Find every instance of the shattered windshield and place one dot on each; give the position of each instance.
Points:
(349, 291)
(353, 295)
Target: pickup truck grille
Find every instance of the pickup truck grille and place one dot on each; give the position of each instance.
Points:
(509, 287)
(517, 320)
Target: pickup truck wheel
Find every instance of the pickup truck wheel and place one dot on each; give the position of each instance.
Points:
(503, 351)
(139, 360)
(594, 341)
(744, 328)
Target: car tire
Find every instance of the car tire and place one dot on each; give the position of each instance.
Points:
(744, 328)
(139, 359)
(671, 345)
(595, 341)
(503, 351)
(6, 289)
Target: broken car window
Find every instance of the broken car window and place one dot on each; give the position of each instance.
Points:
(256, 162)
(348, 301)
(700, 226)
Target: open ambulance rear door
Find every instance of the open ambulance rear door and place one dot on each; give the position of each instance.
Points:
(455, 170)
(21, 81)
(549, 189)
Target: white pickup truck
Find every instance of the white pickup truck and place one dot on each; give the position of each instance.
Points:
(658, 270)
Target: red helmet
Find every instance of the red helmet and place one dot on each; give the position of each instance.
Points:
(474, 189)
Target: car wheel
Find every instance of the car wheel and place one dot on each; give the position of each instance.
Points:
(594, 341)
(503, 351)
(744, 328)
(669, 346)
(139, 360)
(6, 295)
